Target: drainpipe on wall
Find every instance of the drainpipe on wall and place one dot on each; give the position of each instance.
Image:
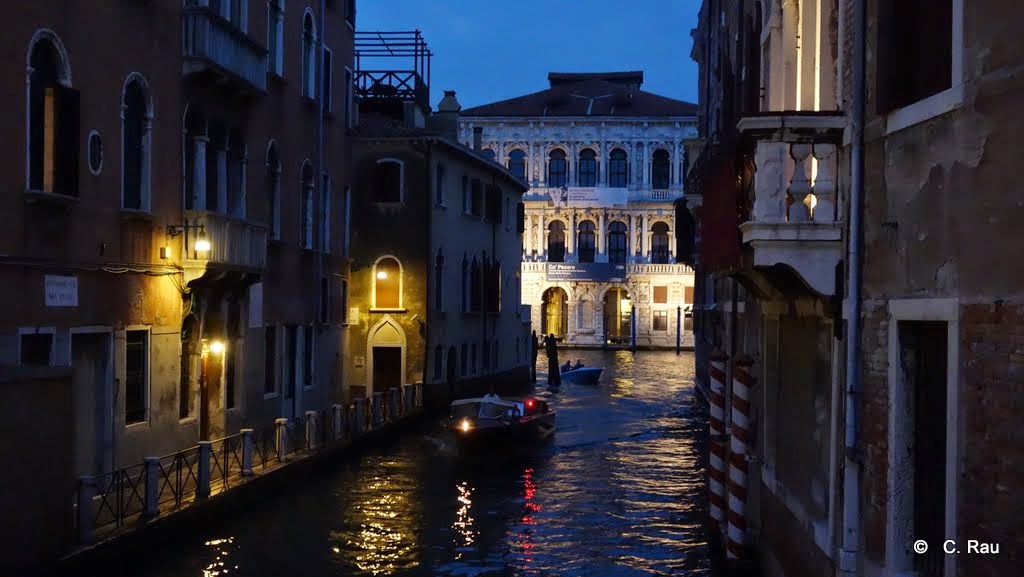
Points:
(427, 292)
(849, 553)
(318, 257)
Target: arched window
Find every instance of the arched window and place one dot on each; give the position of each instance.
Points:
(517, 163)
(274, 190)
(618, 246)
(585, 241)
(556, 241)
(136, 142)
(439, 280)
(308, 184)
(275, 36)
(238, 157)
(387, 284)
(217, 144)
(489, 153)
(587, 170)
(388, 181)
(659, 243)
(465, 287)
(53, 119)
(556, 168)
(661, 169)
(308, 56)
(618, 169)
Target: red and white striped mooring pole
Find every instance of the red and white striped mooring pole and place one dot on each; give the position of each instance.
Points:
(740, 440)
(716, 460)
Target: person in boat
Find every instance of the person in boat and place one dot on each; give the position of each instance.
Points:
(567, 367)
(578, 365)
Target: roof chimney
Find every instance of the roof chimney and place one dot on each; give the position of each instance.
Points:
(478, 138)
(446, 119)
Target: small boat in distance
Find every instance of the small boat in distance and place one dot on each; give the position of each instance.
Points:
(490, 420)
(580, 374)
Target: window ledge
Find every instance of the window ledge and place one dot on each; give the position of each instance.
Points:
(277, 78)
(141, 426)
(50, 198)
(188, 421)
(308, 387)
(129, 214)
(308, 100)
(269, 396)
(380, 310)
(924, 110)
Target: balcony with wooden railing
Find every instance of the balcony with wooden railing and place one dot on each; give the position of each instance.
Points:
(793, 220)
(213, 44)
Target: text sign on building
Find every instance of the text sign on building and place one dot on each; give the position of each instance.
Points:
(61, 291)
(591, 196)
(585, 271)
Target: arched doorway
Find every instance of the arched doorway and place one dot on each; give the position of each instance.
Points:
(617, 310)
(385, 356)
(554, 312)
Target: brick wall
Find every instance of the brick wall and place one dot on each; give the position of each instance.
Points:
(875, 429)
(992, 458)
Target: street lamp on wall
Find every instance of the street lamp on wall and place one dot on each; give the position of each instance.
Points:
(201, 244)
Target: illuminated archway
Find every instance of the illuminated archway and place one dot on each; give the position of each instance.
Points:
(554, 312)
(617, 309)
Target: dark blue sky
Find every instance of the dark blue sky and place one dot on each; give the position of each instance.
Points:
(489, 50)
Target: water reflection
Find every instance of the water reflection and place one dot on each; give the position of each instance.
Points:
(617, 492)
(463, 525)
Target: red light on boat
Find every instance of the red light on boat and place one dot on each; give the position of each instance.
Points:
(530, 403)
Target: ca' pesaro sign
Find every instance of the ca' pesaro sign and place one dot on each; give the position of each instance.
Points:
(585, 271)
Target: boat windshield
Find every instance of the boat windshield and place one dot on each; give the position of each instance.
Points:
(497, 411)
(466, 411)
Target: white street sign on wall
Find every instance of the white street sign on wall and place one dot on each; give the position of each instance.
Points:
(61, 291)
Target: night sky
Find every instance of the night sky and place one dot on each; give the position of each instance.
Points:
(489, 50)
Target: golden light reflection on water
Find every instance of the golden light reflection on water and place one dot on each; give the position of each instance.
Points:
(219, 565)
(524, 539)
(385, 542)
(464, 535)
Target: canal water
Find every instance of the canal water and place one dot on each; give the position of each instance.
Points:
(617, 492)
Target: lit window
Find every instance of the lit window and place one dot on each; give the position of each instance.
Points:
(387, 284)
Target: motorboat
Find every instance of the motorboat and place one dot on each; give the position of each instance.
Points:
(491, 420)
(581, 375)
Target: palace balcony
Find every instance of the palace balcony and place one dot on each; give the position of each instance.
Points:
(794, 221)
(590, 196)
(213, 45)
(236, 245)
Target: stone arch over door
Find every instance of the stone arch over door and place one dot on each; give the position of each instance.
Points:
(385, 356)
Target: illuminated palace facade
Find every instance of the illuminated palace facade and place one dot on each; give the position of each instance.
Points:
(605, 162)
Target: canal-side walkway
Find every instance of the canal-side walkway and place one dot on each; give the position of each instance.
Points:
(118, 506)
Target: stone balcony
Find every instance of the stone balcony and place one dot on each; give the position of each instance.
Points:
(794, 221)
(577, 196)
(211, 44)
(236, 245)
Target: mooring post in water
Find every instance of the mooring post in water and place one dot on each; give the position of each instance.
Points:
(679, 327)
(281, 431)
(338, 416)
(152, 491)
(632, 328)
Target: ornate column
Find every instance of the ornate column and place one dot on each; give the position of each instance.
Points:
(645, 239)
(542, 237)
(601, 241)
(631, 244)
(675, 163)
(570, 240)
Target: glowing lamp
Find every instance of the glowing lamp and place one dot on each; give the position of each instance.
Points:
(530, 404)
(382, 274)
(202, 245)
(465, 425)
(217, 347)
